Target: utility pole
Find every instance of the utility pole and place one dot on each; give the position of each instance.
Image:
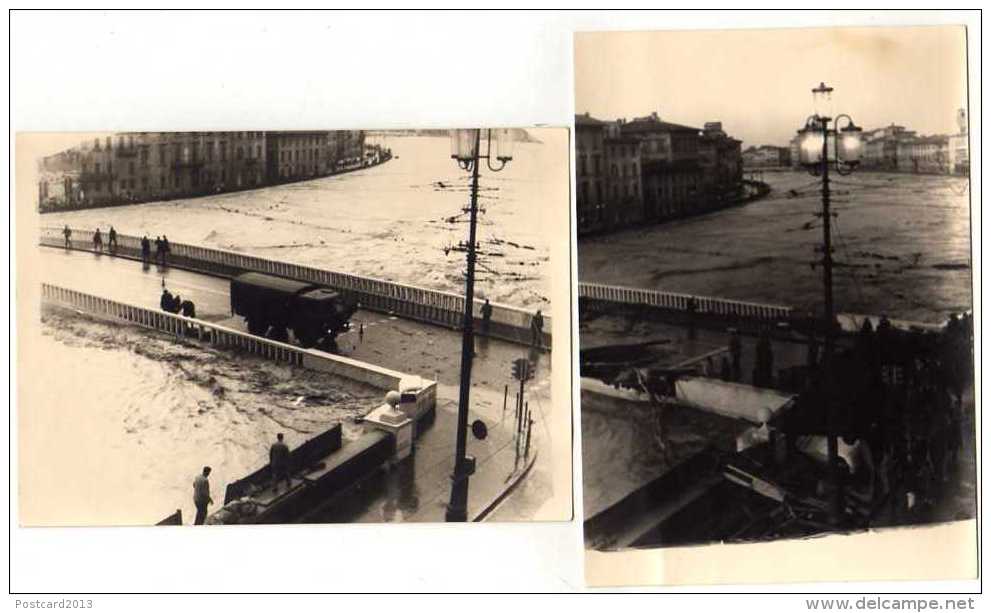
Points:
(464, 467)
(832, 445)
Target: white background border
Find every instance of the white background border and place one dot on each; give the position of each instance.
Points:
(192, 71)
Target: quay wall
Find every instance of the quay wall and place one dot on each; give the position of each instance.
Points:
(428, 305)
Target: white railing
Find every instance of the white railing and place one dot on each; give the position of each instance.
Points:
(435, 306)
(221, 336)
(679, 302)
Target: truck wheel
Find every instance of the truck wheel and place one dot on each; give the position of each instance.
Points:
(306, 338)
(257, 327)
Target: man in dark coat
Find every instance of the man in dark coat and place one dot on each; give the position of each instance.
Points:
(278, 457)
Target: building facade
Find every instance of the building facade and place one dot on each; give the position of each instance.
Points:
(624, 181)
(721, 163)
(672, 173)
(648, 170)
(767, 156)
(145, 166)
(590, 173)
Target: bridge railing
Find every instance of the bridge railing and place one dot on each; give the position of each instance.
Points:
(434, 306)
(704, 305)
(223, 337)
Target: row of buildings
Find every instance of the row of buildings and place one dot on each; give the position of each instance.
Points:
(144, 166)
(648, 170)
(895, 148)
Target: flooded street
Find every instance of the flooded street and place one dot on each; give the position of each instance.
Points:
(902, 246)
(133, 415)
(397, 221)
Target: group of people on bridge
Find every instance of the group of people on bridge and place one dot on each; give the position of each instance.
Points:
(162, 246)
(175, 304)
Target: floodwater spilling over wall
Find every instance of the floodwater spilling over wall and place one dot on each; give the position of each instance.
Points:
(144, 414)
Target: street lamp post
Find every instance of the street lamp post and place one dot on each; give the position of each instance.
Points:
(466, 150)
(821, 146)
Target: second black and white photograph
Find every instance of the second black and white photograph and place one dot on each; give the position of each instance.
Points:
(776, 327)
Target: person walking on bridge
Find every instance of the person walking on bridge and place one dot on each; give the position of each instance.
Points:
(166, 249)
(97, 241)
(145, 249)
(112, 240)
(201, 495)
(67, 233)
(278, 458)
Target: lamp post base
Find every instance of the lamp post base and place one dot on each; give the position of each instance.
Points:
(457, 508)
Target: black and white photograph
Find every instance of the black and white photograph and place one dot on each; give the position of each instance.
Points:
(774, 262)
(326, 326)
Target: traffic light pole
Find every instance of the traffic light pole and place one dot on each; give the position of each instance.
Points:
(457, 508)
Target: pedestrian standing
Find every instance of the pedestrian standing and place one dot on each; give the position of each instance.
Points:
(67, 233)
(813, 355)
(158, 249)
(486, 317)
(112, 240)
(692, 309)
(278, 458)
(736, 353)
(201, 495)
(166, 249)
(97, 241)
(145, 249)
(537, 329)
(361, 332)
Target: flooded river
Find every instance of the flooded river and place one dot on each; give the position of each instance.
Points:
(132, 416)
(902, 244)
(397, 221)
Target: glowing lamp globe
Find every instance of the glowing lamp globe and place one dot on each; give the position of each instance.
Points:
(503, 142)
(463, 145)
(810, 146)
(851, 145)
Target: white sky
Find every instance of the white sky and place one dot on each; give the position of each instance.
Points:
(759, 82)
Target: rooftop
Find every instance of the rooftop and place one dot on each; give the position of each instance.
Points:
(586, 120)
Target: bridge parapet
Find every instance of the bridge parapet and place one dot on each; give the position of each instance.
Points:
(429, 305)
(223, 337)
(743, 314)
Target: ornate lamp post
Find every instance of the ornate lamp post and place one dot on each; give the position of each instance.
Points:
(466, 150)
(821, 147)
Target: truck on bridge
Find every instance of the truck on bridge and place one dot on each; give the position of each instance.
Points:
(274, 306)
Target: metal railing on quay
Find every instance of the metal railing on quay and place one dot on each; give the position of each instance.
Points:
(704, 305)
(429, 305)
